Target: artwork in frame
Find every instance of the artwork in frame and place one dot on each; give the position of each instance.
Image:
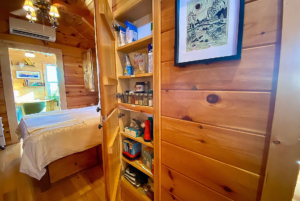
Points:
(208, 31)
(28, 75)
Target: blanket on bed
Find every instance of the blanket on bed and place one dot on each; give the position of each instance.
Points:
(54, 135)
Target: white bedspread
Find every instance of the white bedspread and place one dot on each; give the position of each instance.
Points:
(53, 135)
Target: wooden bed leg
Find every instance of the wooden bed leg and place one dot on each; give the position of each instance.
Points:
(45, 181)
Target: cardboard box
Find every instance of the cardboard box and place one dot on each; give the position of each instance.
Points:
(148, 155)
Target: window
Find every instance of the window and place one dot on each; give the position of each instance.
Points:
(52, 80)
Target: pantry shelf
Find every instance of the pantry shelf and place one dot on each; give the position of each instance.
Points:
(136, 45)
(136, 108)
(132, 10)
(138, 165)
(137, 192)
(138, 139)
(136, 76)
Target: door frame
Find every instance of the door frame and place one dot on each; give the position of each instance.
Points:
(7, 79)
(284, 151)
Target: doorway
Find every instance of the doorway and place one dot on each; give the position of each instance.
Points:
(35, 82)
(7, 76)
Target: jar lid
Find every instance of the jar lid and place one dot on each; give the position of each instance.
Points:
(145, 94)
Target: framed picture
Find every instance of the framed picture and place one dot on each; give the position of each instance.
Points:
(28, 75)
(208, 30)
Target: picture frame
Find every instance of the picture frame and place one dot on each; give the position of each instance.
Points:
(28, 75)
(212, 34)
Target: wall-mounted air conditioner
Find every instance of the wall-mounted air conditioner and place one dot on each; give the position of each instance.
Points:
(37, 31)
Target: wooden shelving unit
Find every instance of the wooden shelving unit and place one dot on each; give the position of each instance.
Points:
(133, 10)
(137, 193)
(138, 165)
(136, 76)
(138, 139)
(136, 108)
(136, 45)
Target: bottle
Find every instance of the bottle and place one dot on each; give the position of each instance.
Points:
(128, 68)
(147, 87)
(145, 99)
(126, 98)
(137, 98)
(133, 98)
(141, 99)
(129, 98)
(147, 133)
(150, 100)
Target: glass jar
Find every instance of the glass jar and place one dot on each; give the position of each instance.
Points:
(122, 98)
(136, 99)
(126, 98)
(141, 99)
(129, 98)
(150, 100)
(145, 99)
(140, 87)
(132, 98)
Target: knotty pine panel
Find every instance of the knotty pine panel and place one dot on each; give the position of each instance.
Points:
(261, 22)
(253, 72)
(240, 149)
(246, 111)
(177, 184)
(227, 180)
(167, 196)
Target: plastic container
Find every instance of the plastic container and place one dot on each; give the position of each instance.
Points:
(140, 87)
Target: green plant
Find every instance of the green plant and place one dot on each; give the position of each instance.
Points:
(54, 96)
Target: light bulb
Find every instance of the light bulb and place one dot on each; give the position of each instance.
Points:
(33, 16)
(54, 12)
(28, 6)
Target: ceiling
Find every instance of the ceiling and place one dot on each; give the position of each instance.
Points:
(76, 21)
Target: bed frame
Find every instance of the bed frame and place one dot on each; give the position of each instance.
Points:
(69, 165)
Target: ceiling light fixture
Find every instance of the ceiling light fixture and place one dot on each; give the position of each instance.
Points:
(44, 8)
(29, 54)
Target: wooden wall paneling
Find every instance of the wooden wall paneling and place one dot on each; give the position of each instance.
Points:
(258, 30)
(243, 74)
(82, 100)
(227, 180)
(177, 184)
(167, 196)
(246, 111)
(240, 149)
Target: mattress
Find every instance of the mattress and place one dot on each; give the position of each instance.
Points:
(50, 136)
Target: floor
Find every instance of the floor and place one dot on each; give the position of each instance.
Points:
(86, 185)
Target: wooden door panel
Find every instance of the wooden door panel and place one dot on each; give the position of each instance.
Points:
(240, 149)
(185, 188)
(227, 180)
(247, 111)
(228, 75)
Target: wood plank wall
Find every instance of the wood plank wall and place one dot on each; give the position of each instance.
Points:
(218, 151)
(77, 97)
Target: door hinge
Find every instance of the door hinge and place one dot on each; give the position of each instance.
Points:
(99, 126)
(120, 115)
(118, 95)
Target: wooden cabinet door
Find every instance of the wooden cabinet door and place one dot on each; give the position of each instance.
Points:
(105, 49)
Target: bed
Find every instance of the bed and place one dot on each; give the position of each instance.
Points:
(56, 141)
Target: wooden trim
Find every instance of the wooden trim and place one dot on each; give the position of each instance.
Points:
(7, 79)
(282, 168)
(156, 13)
(112, 140)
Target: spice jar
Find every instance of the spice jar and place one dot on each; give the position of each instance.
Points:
(145, 99)
(132, 98)
(140, 87)
(126, 97)
(147, 87)
(129, 98)
(122, 98)
(136, 98)
(150, 100)
(141, 99)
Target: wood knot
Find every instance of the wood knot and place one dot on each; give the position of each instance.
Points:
(170, 175)
(195, 88)
(262, 33)
(212, 98)
(173, 197)
(202, 141)
(171, 190)
(167, 90)
(201, 127)
(187, 118)
(227, 189)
